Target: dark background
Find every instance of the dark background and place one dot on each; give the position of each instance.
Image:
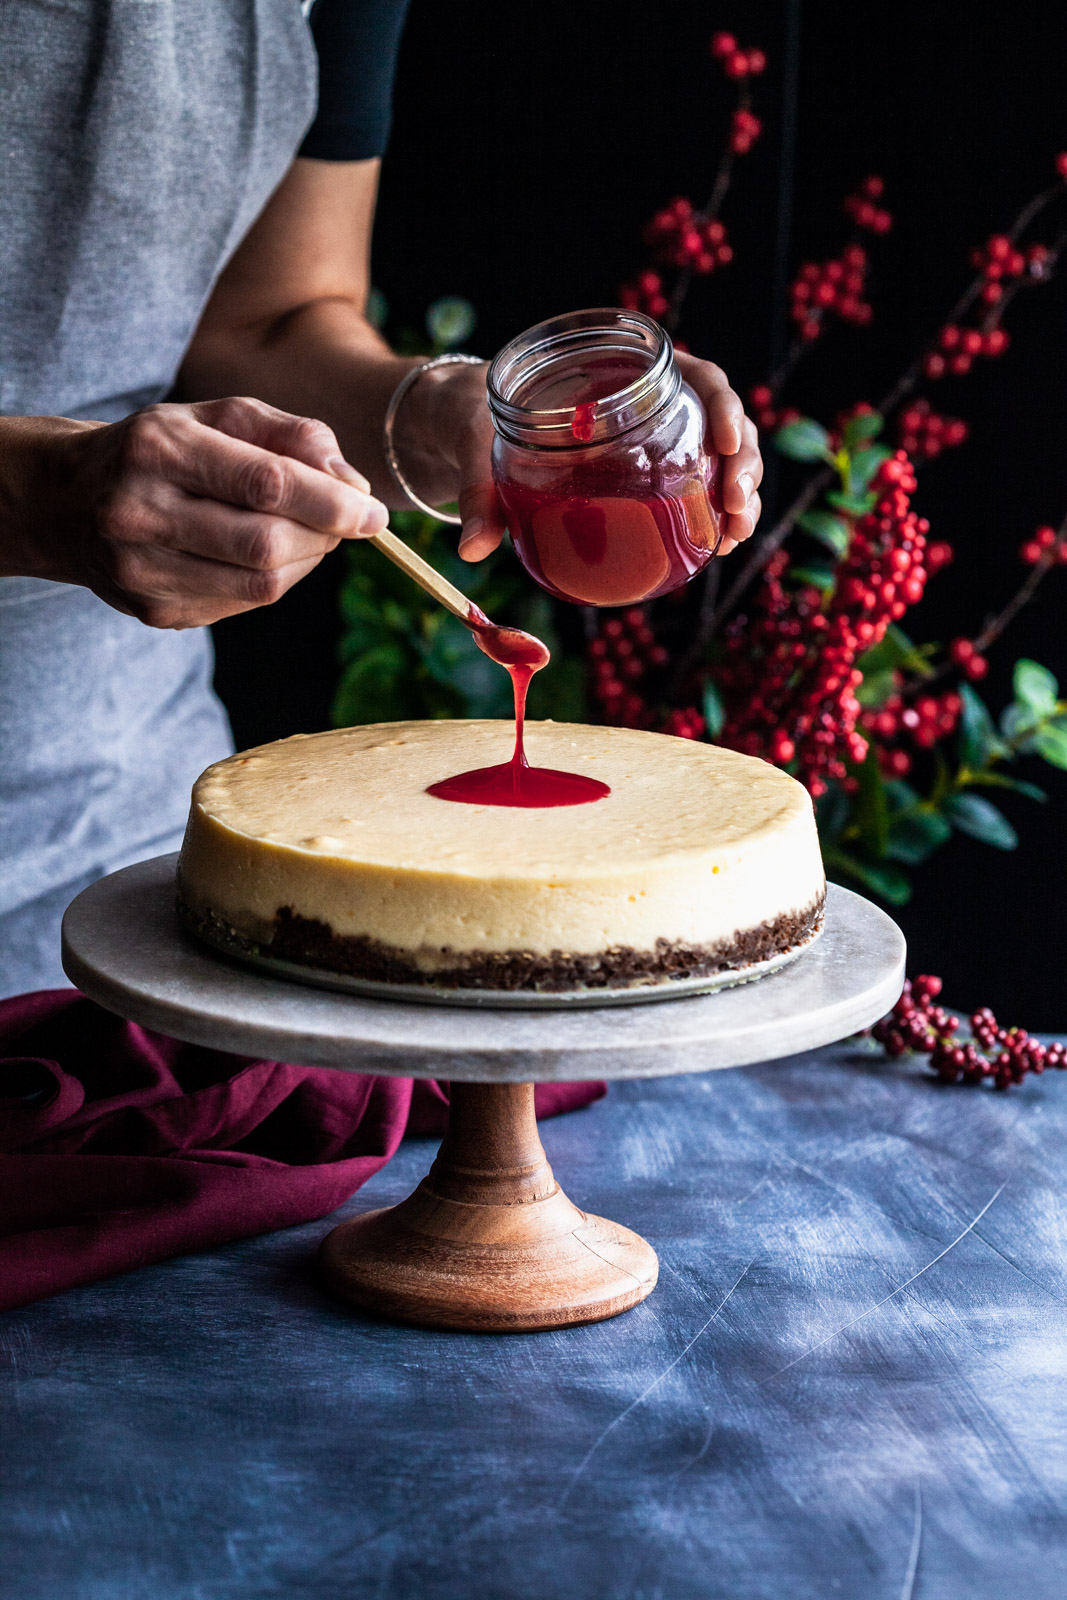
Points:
(531, 143)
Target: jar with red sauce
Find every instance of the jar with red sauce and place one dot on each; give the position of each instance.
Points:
(599, 458)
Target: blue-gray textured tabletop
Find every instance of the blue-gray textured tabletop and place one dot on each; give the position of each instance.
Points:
(849, 1383)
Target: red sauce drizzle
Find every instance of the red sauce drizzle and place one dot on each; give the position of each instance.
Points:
(515, 782)
(583, 425)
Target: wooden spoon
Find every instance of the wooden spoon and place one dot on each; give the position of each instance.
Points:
(509, 646)
(427, 577)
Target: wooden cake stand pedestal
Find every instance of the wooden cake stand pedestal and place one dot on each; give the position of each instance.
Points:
(488, 1241)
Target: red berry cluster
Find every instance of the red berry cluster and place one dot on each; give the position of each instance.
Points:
(685, 723)
(863, 209)
(765, 416)
(645, 294)
(1002, 1056)
(938, 554)
(924, 434)
(926, 720)
(1045, 545)
(790, 676)
(621, 654)
(999, 259)
(736, 63)
(965, 654)
(682, 237)
(745, 129)
(960, 346)
(836, 285)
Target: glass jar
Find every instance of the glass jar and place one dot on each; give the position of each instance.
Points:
(599, 459)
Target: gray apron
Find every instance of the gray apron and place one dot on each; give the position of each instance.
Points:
(140, 139)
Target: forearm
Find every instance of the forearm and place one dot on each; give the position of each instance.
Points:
(38, 527)
(324, 360)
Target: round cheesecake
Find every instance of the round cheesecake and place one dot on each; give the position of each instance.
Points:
(326, 850)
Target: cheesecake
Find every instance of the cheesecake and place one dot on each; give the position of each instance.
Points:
(328, 852)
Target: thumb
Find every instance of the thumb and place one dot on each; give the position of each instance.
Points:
(483, 520)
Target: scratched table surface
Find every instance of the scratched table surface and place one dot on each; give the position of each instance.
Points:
(850, 1381)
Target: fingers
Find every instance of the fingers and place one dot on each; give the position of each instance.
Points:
(172, 444)
(742, 473)
(724, 410)
(479, 504)
(170, 589)
(178, 521)
(736, 526)
(483, 520)
(303, 438)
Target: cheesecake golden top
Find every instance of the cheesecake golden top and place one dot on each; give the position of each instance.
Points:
(359, 794)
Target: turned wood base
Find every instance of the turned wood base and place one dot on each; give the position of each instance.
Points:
(488, 1242)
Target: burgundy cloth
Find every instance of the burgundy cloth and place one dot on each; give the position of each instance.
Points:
(119, 1147)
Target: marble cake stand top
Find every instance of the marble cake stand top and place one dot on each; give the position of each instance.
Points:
(122, 946)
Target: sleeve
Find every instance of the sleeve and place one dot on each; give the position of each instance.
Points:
(357, 42)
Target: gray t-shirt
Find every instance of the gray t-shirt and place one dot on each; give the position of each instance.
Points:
(139, 139)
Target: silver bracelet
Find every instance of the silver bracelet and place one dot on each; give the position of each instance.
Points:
(389, 444)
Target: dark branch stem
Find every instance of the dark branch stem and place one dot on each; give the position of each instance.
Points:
(772, 541)
(707, 213)
(1022, 596)
(904, 386)
(711, 610)
(996, 625)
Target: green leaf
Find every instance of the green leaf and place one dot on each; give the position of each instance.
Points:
(867, 425)
(364, 629)
(1001, 780)
(821, 578)
(450, 321)
(872, 806)
(865, 464)
(895, 649)
(831, 531)
(375, 688)
(857, 505)
(901, 796)
(876, 689)
(889, 883)
(804, 440)
(832, 811)
(1018, 725)
(978, 737)
(460, 674)
(377, 310)
(559, 691)
(1035, 687)
(1051, 743)
(714, 710)
(915, 836)
(973, 814)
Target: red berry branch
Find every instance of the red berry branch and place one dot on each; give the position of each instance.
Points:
(988, 339)
(990, 1054)
(622, 651)
(685, 239)
(1045, 549)
(803, 659)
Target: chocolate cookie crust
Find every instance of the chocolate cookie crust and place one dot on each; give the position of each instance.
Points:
(310, 943)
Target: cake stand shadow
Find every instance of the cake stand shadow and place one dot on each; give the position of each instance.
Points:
(488, 1241)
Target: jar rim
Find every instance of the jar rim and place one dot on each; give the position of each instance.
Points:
(562, 338)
